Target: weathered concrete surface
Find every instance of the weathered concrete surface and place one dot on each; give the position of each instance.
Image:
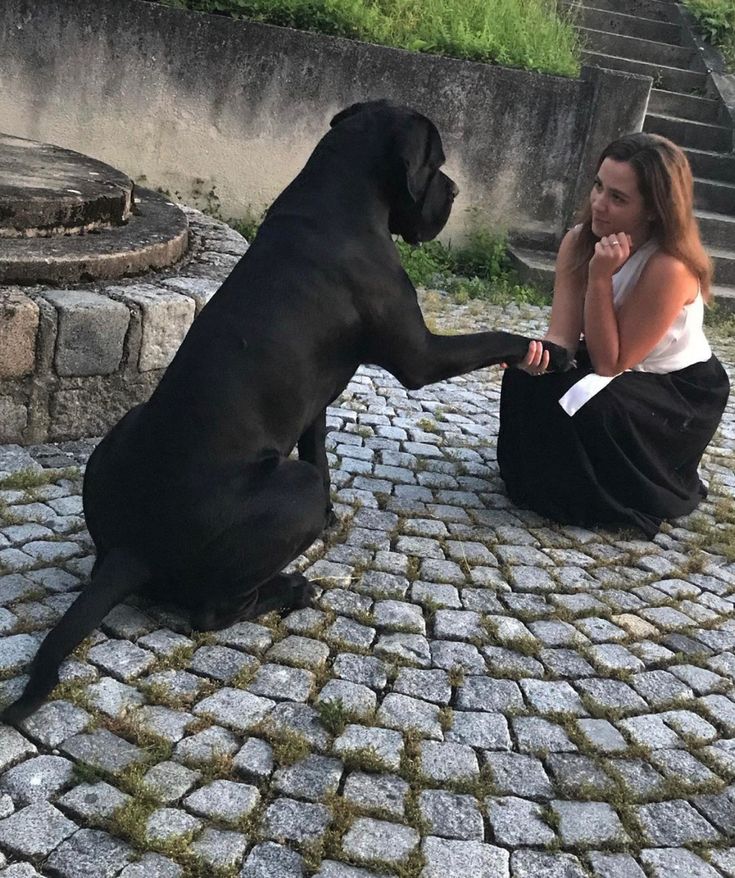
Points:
(45, 190)
(227, 110)
(155, 236)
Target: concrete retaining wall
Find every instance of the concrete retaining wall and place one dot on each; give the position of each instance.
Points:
(190, 102)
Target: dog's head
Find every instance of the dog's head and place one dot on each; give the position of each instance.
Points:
(420, 195)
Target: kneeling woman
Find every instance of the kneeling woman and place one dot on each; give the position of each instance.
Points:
(619, 438)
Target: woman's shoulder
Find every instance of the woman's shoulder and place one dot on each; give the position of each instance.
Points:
(568, 248)
(668, 271)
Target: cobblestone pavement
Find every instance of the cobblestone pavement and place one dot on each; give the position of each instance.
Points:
(477, 692)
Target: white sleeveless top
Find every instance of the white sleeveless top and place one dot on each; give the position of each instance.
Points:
(682, 345)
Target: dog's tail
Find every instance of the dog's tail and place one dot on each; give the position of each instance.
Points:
(120, 574)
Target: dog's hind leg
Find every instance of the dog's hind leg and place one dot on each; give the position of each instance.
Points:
(312, 449)
(277, 521)
(285, 592)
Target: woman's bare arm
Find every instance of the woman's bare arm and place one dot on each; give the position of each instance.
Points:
(567, 308)
(619, 340)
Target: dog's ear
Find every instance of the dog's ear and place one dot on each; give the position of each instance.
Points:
(420, 149)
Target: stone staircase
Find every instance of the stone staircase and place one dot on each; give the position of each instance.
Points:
(649, 37)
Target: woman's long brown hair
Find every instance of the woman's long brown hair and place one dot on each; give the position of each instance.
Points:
(665, 182)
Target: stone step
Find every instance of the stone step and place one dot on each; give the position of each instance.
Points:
(711, 165)
(537, 267)
(620, 23)
(156, 235)
(46, 190)
(716, 229)
(724, 297)
(669, 78)
(636, 49)
(659, 10)
(683, 106)
(716, 196)
(534, 266)
(724, 262)
(697, 135)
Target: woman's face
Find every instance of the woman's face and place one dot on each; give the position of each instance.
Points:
(617, 204)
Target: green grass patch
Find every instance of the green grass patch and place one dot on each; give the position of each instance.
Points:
(529, 34)
(716, 18)
(25, 479)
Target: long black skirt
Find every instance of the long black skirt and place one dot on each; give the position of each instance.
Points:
(629, 456)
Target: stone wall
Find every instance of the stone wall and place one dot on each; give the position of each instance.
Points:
(74, 360)
(190, 102)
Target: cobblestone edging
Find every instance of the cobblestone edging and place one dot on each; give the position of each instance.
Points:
(74, 360)
(476, 692)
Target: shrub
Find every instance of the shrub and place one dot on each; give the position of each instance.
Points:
(716, 18)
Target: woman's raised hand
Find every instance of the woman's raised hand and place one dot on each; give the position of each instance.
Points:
(536, 361)
(611, 251)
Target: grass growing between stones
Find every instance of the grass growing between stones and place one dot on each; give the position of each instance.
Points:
(25, 479)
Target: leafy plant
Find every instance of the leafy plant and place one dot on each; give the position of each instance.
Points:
(716, 18)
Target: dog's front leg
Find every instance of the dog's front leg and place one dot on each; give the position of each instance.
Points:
(418, 357)
(312, 449)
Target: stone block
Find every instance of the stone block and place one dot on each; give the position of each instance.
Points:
(19, 317)
(167, 317)
(91, 332)
(13, 419)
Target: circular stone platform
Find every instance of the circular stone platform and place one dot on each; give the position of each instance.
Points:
(65, 217)
(98, 287)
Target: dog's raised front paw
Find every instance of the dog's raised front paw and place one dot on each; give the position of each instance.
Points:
(560, 359)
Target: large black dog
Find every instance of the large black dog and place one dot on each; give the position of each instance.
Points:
(192, 496)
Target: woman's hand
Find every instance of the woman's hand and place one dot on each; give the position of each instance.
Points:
(611, 251)
(536, 361)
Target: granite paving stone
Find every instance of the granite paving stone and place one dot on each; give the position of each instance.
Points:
(410, 715)
(167, 782)
(220, 849)
(254, 760)
(289, 820)
(357, 701)
(270, 860)
(37, 780)
(676, 863)
(313, 778)
(607, 865)
(223, 800)
(93, 803)
(384, 746)
(89, 853)
(384, 793)
(450, 858)
(368, 840)
(535, 864)
(516, 774)
(451, 815)
(35, 831)
(207, 746)
(518, 822)
(674, 823)
(588, 825)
